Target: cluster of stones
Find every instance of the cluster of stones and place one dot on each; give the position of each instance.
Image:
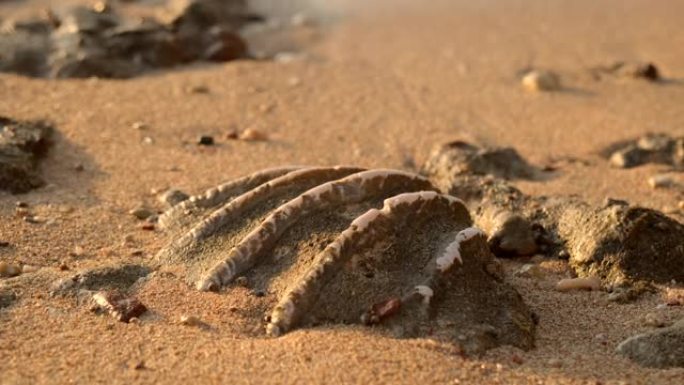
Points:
(96, 41)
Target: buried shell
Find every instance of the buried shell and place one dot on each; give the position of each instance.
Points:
(343, 245)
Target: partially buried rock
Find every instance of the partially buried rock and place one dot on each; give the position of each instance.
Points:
(663, 348)
(634, 70)
(119, 306)
(621, 243)
(650, 148)
(173, 197)
(22, 144)
(462, 158)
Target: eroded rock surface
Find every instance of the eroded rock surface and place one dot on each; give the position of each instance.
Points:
(458, 158)
(651, 148)
(22, 144)
(343, 245)
(662, 348)
(617, 242)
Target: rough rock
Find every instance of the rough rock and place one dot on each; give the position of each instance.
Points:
(631, 70)
(22, 144)
(459, 158)
(621, 243)
(119, 306)
(617, 242)
(662, 348)
(650, 148)
(172, 197)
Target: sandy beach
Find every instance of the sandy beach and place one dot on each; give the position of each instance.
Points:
(376, 86)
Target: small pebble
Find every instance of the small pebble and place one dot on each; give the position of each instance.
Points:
(9, 270)
(140, 126)
(172, 197)
(29, 269)
(555, 363)
(21, 204)
(197, 89)
(660, 181)
(253, 135)
(147, 227)
(78, 251)
(4, 244)
(654, 320)
(206, 140)
(530, 270)
(141, 213)
(34, 219)
(233, 135)
(148, 140)
(540, 80)
(79, 167)
(190, 320)
(590, 283)
(119, 306)
(242, 281)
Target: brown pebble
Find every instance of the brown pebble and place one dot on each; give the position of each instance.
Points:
(383, 310)
(9, 270)
(242, 281)
(118, 306)
(516, 359)
(232, 135)
(21, 204)
(590, 283)
(147, 227)
(654, 320)
(78, 251)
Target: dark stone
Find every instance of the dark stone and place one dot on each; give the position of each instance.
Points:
(206, 140)
(21, 145)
